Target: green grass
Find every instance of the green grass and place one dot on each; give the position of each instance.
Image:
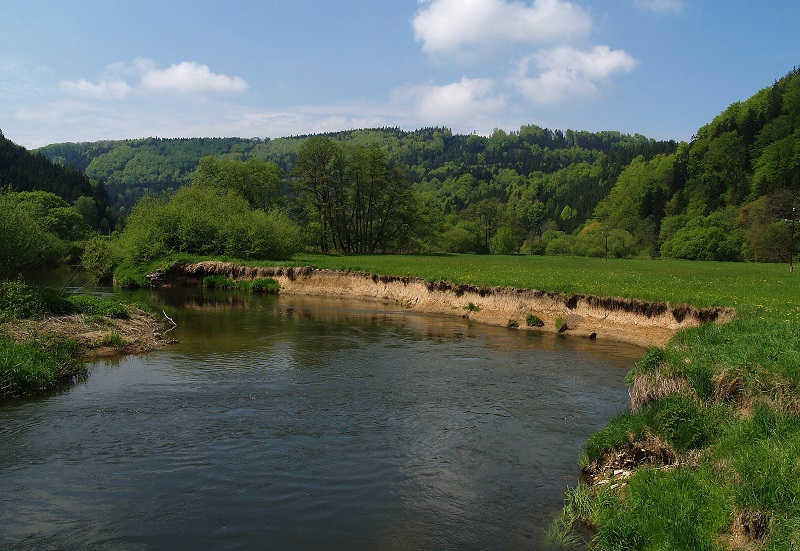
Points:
(31, 367)
(42, 364)
(757, 289)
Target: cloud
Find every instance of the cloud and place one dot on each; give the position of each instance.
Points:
(142, 76)
(564, 73)
(190, 76)
(661, 6)
(456, 102)
(464, 27)
(104, 89)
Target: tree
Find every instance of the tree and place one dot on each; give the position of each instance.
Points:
(24, 243)
(257, 181)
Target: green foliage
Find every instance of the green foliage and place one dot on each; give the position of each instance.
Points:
(218, 282)
(257, 181)
(37, 366)
(113, 339)
(705, 238)
(357, 200)
(266, 285)
(25, 242)
(561, 324)
(201, 220)
(27, 172)
(19, 300)
(532, 320)
(98, 258)
(108, 307)
(677, 509)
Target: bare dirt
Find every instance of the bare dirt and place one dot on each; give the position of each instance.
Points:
(623, 320)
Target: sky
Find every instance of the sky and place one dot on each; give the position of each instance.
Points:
(88, 70)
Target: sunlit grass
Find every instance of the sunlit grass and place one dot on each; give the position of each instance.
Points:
(756, 289)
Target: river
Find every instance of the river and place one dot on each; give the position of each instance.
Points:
(305, 423)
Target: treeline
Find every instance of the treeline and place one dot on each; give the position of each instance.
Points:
(728, 194)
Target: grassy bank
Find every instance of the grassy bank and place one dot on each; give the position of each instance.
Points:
(42, 360)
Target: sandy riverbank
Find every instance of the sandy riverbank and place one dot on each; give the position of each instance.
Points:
(623, 320)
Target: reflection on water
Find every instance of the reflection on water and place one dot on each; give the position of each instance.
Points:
(295, 423)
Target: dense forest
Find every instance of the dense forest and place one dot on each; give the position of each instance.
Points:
(725, 195)
(22, 171)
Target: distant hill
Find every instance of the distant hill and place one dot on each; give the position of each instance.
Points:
(22, 170)
(725, 195)
(129, 168)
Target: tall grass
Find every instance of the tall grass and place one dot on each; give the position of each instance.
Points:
(27, 367)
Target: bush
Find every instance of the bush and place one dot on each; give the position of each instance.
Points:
(218, 282)
(201, 220)
(98, 259)
(532, 320)
(262, 285)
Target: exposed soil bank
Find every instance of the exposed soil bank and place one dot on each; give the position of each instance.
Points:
(618, 319)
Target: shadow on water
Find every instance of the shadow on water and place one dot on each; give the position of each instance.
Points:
(297, 422)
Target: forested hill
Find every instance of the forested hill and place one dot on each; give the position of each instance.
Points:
(129, 168)
(725, 195)
(22, 170)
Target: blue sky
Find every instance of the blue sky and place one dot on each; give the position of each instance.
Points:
(86, 70)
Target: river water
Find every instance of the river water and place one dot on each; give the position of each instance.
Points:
(299, 423)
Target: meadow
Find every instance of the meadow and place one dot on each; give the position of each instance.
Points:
(768, 290)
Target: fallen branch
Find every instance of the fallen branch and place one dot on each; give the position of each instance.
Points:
(172, 321)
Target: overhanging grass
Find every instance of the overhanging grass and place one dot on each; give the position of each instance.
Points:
(36, 366)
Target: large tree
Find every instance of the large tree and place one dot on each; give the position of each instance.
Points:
(356, 201)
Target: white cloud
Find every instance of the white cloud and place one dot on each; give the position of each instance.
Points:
(564, 73)
(463, 27)
(661, 6)
(456, 102)
(103, 89)
(190, 76)
(142, 76)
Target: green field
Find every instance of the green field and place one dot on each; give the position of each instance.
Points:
(768, 290)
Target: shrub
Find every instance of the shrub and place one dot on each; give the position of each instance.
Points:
(218, 282)
(262, 285)
(561, 324)
(97, 258)
(533, 320)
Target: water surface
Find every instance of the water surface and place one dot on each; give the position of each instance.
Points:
(297, 423)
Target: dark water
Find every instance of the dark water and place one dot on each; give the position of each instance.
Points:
(291, 423)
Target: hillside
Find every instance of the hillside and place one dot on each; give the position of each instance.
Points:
(21, 170)
(725, 195)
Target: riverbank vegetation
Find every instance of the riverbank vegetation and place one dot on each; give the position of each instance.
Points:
(32, 360)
